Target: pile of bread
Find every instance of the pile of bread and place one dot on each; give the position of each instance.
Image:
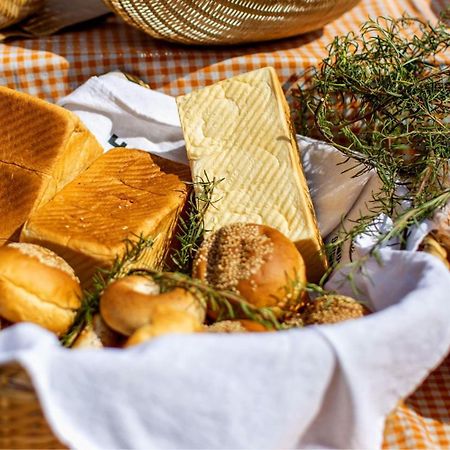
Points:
(68, 209)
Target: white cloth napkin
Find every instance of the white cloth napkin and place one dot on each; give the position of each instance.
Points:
(318, 387)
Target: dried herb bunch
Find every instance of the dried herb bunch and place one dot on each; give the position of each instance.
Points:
(383, 98)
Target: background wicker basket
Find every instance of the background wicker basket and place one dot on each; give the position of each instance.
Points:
(12, 11)
(228, 21)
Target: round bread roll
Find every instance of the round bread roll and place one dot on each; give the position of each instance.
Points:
(235, 326)
(255, 261)
(38, 286)
(174, 322)
(96, 334)
(329, 309)
(134, 301)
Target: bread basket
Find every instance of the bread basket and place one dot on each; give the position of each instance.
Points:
(22, 424)
(12, 11)
(222, 22)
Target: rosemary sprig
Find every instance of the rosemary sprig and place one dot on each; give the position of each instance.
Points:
(382, 98)
(192, 228)
(134, 249)
(224, 304)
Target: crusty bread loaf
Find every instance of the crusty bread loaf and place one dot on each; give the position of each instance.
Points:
(37, 286)
(42, 148)
(239, 131)
(125, 193)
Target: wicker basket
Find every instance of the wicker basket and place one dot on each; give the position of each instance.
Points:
(22, 424)
(228, 21)
(12, 11)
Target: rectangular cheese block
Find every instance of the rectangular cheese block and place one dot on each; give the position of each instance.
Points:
(42, 148)
(125, 193)
(239, 130)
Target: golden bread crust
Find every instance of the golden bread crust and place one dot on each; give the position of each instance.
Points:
(45, 256)
(123, 194)
(235, 326)
(332, 308)
(126, 306)
(268, 284)
(42, 148)
(36, 288)
(177, 322)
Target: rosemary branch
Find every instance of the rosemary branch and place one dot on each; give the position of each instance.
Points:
(382, 97)
(192, 228)
(225, 305)
(134, 249)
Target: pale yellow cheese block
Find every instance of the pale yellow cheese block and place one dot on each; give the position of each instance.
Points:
(239, 130)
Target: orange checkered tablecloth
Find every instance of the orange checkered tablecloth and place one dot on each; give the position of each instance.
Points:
(52, 67)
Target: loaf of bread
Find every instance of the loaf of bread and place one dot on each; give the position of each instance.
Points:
(239, 130)
(125, 193)
(42, 148)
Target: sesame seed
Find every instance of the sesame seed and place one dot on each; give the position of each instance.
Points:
(332, 309)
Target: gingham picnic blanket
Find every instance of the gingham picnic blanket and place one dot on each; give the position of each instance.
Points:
(51, 67)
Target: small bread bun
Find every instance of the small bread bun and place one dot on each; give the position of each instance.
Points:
(134, 301)
(235, 326)
(255, 261)
(97, 334)
(330, 309)
(174, 322)
(37, 286)
(434, 246)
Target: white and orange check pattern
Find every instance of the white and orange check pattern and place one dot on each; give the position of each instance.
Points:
(52, 67)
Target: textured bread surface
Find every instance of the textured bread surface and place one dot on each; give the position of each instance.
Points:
(36, 286)
(125, 193)
(42, 148)
(255, 261)
(239, 130)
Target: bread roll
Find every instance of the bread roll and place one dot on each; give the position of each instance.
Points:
(235, 326)
(255, 261)
(175, 322)
(124, 194)
(37, 286)
(135, 301)
(97, 334)
(329, 309)
(42, 148)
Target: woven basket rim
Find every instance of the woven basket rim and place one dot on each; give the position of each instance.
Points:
(227, 22)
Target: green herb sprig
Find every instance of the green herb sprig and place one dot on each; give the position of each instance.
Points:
(225, 305)
(134, 249)
(192, 228)
(382, 97)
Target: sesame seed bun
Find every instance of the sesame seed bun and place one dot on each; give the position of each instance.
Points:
(134, 301)
(256, 261)
(329, 309)
(37, 286)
